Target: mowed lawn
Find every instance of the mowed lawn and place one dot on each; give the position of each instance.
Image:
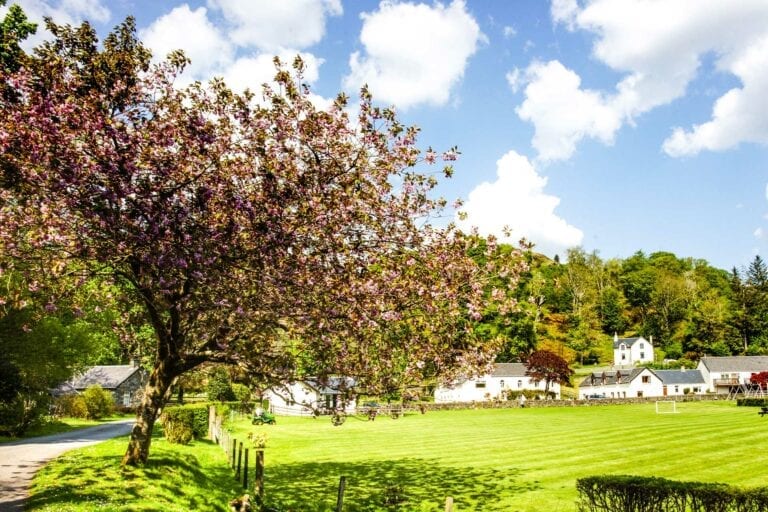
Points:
(504, 460)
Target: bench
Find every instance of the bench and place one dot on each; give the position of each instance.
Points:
(763, 411)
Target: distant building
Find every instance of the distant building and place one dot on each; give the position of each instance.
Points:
(632, 351)
(504, 377)
(309, 397)
(125, 381)
(730, 374)
(642, 382)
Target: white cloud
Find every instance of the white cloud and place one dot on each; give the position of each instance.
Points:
(659, 45)
(254, 71)
(515, 80)
(209, 50)
(562, 112)
(270, 25)
(759, 233)
(72, 12)
(414, 53)
(509, 32)
(517, 200)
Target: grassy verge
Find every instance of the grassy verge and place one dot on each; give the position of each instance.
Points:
(57, 426)
(176, 478)
(503, 460)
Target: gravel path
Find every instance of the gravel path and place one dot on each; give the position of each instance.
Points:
(20, 460)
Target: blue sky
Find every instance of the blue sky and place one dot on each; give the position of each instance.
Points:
(616, 125)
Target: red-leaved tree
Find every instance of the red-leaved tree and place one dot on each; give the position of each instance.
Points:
(549, 367)
(270, 234)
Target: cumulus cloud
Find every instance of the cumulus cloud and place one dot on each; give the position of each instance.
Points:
(517, 200)
(424, 61)
(209, 51)
(270, 25)
(564, 113)
(759, 233)
(658, 46)
(213, 52)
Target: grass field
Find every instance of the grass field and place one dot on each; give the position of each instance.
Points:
(504, 460)
(176, 479)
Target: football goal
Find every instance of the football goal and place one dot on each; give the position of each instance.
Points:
(666, 407)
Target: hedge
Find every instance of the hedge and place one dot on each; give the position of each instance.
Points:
(752, 402)
(182, 424)
(623, 493)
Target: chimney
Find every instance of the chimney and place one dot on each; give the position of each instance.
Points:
(615, 337)
(650, 339)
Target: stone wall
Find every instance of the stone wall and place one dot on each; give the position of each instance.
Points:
(515, 404)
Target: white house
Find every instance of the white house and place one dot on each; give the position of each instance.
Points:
(310, 397)
(504, 377)
(642, 382)
(632, 351)
(726, 374)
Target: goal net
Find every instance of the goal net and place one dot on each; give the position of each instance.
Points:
(666, 407)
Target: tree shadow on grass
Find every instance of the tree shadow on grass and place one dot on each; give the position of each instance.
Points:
(168, 480)
(403, 484)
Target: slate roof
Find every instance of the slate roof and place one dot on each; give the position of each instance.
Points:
(508, 370)
(627, 341)
(674, 377)
(754, 364)
(107, 376)
(611, 377)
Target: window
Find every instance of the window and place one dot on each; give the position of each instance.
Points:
(642, 355)
(624, 393)
(697, 389)
(480, 384)
(642, 346)
(646, 379)
(501, 384)
(639, 394)
(612, 395)
(519, 383)
(623, 357)
(677, 389)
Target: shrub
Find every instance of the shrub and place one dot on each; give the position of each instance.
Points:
(98, 402)
(23, 411)
(242, 392)
(219, 389)
(72, 406)
(182, 424)
(622, 493)
(752, 402)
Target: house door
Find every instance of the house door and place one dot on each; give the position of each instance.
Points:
(665, 390)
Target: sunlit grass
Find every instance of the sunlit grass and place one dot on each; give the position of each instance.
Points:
(176, 478)
(504, 460)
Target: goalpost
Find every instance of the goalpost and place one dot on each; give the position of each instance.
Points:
(666, 407)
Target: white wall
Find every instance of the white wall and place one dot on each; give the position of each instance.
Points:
(494, 387)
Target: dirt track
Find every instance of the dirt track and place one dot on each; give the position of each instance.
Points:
(20, 460)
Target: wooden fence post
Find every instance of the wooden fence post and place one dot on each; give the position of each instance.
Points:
(234, 450)
(258, 479)
(239, 461)
(245, 471)
(449, 504)
(340, 496)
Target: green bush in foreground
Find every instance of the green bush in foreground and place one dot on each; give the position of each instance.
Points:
(623, 493)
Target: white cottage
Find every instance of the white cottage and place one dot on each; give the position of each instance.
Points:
(726, 374)
(504, 377)
(309, 397)
(642, 382)
(632, 351)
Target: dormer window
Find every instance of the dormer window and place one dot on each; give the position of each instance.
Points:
(622, 347)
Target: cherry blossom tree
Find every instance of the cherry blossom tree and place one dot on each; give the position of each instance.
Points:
(252, 230)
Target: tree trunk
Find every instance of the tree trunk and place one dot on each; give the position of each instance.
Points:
(155, 396)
